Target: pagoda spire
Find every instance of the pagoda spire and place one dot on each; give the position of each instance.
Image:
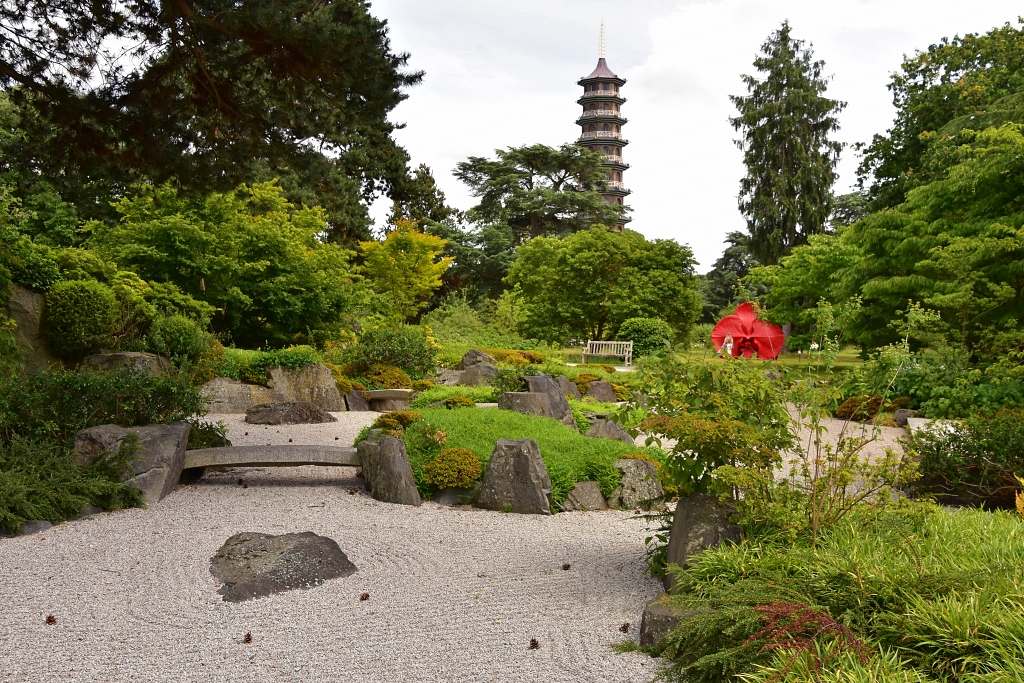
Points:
(602, 123)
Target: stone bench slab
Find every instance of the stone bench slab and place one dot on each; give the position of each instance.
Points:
(273, 456)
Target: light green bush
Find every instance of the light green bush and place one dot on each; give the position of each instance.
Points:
(178, 336)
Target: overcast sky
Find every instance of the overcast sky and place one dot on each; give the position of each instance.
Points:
(501, 73)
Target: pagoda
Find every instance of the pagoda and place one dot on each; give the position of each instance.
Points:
(602, 124)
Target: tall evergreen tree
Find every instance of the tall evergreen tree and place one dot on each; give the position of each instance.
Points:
(784, 123)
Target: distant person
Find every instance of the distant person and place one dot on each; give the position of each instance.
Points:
(727, 345)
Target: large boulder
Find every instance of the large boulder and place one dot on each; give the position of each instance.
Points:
(473, 357)
(449, 378)
(288, 413)
(25, 308)
(140, 362)
(313, 383)
(516, 479)
(558, 406)
(660, 616)
(701, 521)
(475, 375)
(226, 395)
(525, 403)
(158, 462)
(386, 400)
(602, 428)
(602, 391)
(386, 469)
(252, 565)
(585, 495)
(569, 389)
(356, 401)
(638, 484)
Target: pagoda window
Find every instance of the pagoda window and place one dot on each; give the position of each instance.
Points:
(605, 127)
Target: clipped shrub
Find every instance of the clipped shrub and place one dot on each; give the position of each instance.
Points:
(453, 467)
(509, 380)
(388, 377)
(583, 381)
(178, 336)
(515, 357)
(622, 393)
(397, 420)
(423, 385)
(405, 348)
(80, 317)
(647, 334)
(859, 408)
(453, 402)
(897, 404)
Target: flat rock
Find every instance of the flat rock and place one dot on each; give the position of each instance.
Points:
(160, 459)
(290, 455)
(455, 496)
(386, 400)
(226, 395)
(602, 391)
(387, 471)
(603, 428)
(901, 415)
(476, 375)
(312, 383)
(569, 389)
(25, 308)
(355, 400)
(660, 617)
(288, 413)
(638, 484)
(585, 495)
(252, 565)
(516, 479)
(140, 362)
(473, 357)
(701, 521)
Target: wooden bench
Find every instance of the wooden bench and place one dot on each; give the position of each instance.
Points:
(623, 349)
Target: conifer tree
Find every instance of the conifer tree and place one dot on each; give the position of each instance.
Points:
(784, 122)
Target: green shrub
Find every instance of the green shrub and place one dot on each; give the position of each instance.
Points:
(647, 334)
(510, 380)
(973, 461)
(55, 404)
(569, 456)
(251, 366)
(178, 336)
(397, 419)
(583, 381)
(453, 402)
(205, 434)
(387, 377)
(80, 317)
(453, 467)
(423, 385)
(404, 348)
(610, 369)
(622, 393)
(938, 590)
(40, 480)
(516, 357)
(474, 395)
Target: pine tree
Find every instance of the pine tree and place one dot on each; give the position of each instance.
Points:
(784, 123)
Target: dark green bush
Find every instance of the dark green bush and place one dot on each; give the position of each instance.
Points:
(205, 434)
(404, 348)
(178, 336)
(647, 334)
(80, 317)
(40, 480)
(30, 265)
(974, 461)
(55, 404)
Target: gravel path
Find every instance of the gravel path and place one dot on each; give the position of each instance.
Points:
(456, 594)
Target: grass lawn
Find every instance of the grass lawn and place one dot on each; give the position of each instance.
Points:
(569, 456)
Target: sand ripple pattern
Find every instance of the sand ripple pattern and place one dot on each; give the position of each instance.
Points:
(455, 594)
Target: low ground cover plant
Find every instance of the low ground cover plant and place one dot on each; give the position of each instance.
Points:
(251, 366)
(478, 394)
(569, 456)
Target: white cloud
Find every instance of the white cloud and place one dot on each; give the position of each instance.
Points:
(502, 73)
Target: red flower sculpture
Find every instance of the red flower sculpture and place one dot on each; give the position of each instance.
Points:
(748, 334)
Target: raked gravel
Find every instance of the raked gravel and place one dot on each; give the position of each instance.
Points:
(456, 594)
